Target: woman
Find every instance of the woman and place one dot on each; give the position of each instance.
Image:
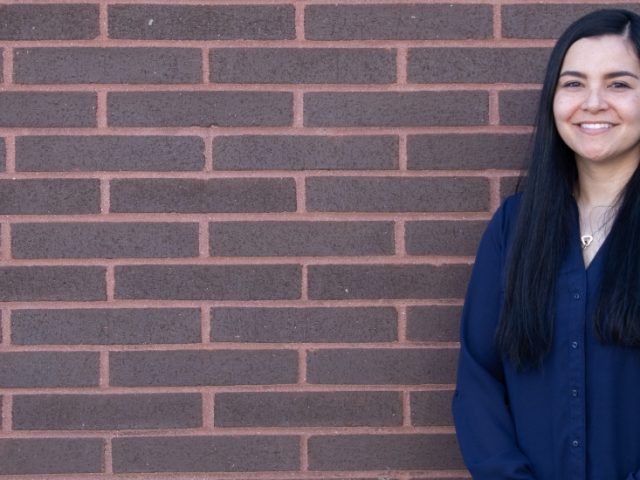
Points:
(549, 371)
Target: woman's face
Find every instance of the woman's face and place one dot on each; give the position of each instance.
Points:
(597, 101)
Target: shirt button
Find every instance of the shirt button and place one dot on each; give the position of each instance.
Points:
(574, 393)
(576, 296)
(574, 345)
(575, 443)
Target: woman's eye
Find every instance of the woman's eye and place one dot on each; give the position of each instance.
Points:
(571, 84)
(619, 85)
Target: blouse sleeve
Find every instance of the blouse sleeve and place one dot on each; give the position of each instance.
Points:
(484, 427)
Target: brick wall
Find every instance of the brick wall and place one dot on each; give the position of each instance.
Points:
(235, 236)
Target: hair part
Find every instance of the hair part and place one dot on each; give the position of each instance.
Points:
(547, 210)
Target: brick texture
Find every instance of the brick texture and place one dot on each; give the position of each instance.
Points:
(397, 22)
(199, 109)
(129, 326)
(383, 109)
(221, 367)
(301, 238)
(106, 240)
(303, 324)
(206, 454)
(338, 409)
(200, 22)
(106, 412)
(107, 65)
(235, 236)
(301, 152)
(309, 65)
(108, 153)
(393, 366)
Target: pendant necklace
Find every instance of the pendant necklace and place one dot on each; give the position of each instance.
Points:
(586, 240)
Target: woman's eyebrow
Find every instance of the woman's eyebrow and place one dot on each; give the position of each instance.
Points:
(621, 73)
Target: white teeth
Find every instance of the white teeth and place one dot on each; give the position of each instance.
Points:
(595, 126)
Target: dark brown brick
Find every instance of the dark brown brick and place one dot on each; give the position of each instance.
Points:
(106, 412)
(301, 238)
(245, 453)
(109, 153)
(303, 65)
(511, 185)
(49, 196)
(547, 21)
(433, 323)
(305, 152)
(477, 65)
(47, 109)
(518, 107)
(342, 282)
(200, 22)
(128, 326)
(431, 408)
(379, 194)
(104, 240)
(199, 109)
(384, 452)
(190, 367)
(443, 237)
(228, 195)
(382, 366)
(469, 151)
(398, 22)
(223, 282)
(297, 325)
(48, 369)
(2, 155)
(317, 409)
(48, 22)
(107, 65)
(395, 109)
(23, 284)
(33, 456)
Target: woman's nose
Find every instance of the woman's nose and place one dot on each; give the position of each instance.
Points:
(595, 100)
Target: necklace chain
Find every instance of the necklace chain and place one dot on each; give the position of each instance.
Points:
(587, 239)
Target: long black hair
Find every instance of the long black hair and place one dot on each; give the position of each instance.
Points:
(542, 233)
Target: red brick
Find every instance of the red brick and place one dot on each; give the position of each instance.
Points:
(518, 107)
(431, 408)
(433, 323)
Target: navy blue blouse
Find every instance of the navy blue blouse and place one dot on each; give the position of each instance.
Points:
(578, 416)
